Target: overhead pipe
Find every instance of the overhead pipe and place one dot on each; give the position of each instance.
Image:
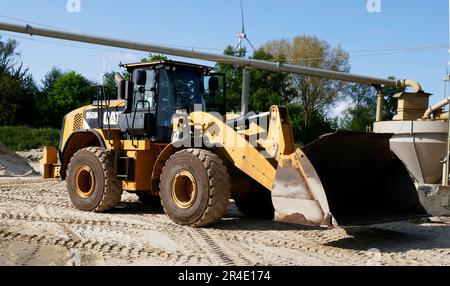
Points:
(438, 106)
(186, 53)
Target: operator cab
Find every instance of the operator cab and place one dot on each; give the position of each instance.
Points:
(155, 91)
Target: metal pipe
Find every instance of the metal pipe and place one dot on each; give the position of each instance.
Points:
(438, 106)
(380, 98)
(257, 64)
(446, 163)
(245, 91)
(412, 84)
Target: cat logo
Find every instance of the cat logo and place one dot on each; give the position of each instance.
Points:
(111, 118)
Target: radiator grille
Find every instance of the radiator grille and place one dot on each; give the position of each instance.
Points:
(78, 122)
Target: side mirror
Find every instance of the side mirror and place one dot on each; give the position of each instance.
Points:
(140, 78)
(213, 84)
(121, 88)
(129, 98)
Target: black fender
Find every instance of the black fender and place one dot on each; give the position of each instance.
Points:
(78, 140)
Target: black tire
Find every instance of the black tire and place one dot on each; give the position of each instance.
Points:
(210, 180)
(256, 202)
(149, 200)
(91, 180)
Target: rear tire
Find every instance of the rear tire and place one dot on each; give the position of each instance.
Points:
(91, 180)
(195, 188)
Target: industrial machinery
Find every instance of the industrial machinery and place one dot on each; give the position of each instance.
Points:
(421, 140)
(167, 137)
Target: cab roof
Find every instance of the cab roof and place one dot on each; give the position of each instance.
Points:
(164, 62)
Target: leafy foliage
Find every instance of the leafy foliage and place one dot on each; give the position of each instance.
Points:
(70, 91)
(17, 88)
(362, 113)
(20, 138)
(50, 79)
(152, 58)
(308, 99)
(315, 95)
(110, 86)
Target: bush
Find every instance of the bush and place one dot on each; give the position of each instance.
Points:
(25, 138)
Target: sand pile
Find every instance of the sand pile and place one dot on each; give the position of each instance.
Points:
(12, 165)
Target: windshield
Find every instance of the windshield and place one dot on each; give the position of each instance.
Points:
(185, 85)
(179, 89)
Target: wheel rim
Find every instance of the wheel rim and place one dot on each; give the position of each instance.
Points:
(184, 190)
(84, 181)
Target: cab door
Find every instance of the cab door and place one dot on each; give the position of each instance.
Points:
(214, 95)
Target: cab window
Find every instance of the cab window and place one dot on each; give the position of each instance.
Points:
(149, 95)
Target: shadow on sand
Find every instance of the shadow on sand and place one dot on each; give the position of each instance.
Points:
(389, 238)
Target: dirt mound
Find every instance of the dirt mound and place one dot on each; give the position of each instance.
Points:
(12, 165)
(33, 155)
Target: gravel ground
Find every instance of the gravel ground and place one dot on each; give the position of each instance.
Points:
(39, 226)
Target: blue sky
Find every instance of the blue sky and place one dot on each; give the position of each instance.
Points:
(215, 23)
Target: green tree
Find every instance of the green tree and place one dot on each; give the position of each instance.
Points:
(266, 88)
(50, 79)
(9, 105)
(234, 79)
(43, 97)
(363, 111)
(70, 92)
(17, 88)
(152, 58)
(315, 95)
(318, 125)
(8, 56)
(389, 102)
(110, 85)
(269, 88)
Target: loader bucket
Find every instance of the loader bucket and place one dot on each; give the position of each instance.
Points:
(347, 179)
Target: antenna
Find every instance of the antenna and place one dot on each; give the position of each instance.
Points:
(242, 35)
(446, 80)
(101, 78)
(448, 63)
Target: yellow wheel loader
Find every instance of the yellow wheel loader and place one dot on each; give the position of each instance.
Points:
(168, 139)
(196, 160)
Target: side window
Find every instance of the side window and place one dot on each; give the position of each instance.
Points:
(165, 101)
(149, 95)
(214, 94)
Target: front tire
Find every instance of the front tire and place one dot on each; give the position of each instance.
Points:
(195, 188)
(91, 180)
